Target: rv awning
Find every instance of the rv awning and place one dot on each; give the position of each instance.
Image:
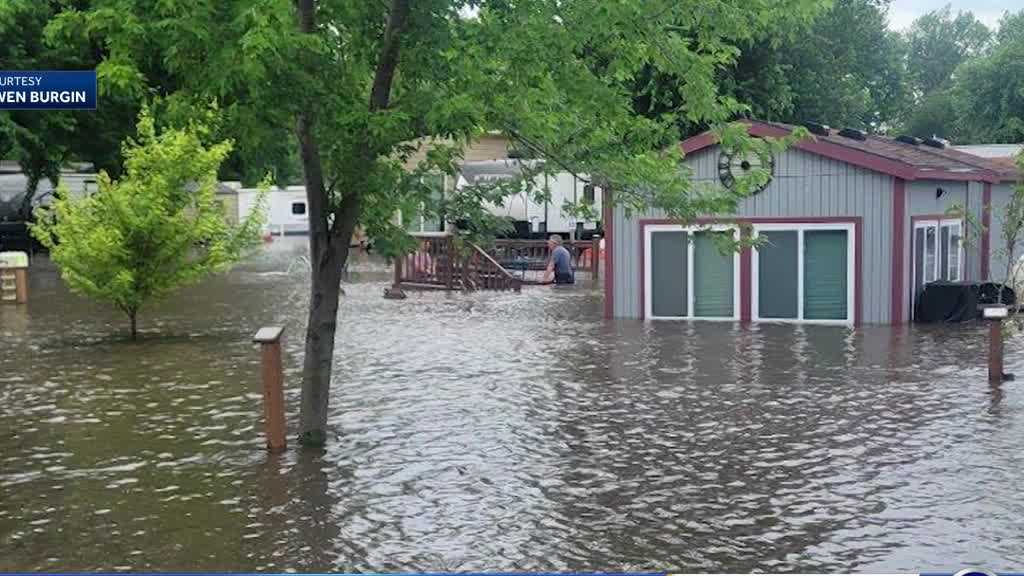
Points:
(490, 170)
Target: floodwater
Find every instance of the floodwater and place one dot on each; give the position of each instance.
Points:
(498, 432)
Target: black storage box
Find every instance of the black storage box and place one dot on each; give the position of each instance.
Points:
(957, 301)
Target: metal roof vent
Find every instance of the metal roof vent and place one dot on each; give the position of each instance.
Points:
(818, 129)
(908, 140)
(853, 134)
(936, 142)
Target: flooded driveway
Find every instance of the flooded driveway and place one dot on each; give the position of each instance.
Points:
(498, 431)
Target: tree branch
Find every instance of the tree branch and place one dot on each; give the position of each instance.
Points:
(309, 148)
(380, 96)
(545, 153)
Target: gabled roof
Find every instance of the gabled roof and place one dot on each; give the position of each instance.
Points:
(881, 154)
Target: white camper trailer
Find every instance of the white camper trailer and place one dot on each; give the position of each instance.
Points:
(532, 218)
(285, 209)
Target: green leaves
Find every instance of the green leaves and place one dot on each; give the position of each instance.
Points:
(157, 228)
(564, 77)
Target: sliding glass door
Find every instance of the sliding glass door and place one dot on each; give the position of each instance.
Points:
(690, 273)
(804, 272)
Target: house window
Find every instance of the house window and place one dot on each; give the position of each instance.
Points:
(433, 223)
(588, 195)
(688, 276)
(299, 208)
(938, 252)
(804, 272)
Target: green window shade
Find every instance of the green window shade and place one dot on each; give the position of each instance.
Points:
(778, 275)
(825, 275)
(712, 277)
(668, 274)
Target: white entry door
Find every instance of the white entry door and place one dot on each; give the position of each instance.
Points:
(938, 252)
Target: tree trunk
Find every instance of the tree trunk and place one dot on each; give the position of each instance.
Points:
(330, 231)
(132, 317)
(25, 208)
(320, 332)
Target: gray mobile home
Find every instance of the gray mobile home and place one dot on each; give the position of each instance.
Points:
(854, 226)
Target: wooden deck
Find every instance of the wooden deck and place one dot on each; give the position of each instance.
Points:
(439, 264)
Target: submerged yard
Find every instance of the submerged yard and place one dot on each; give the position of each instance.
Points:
(497, 431)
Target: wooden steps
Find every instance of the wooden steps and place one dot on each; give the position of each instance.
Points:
(8, 286)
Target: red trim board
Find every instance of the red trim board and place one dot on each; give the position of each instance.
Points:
(609, 249)
(899, 240)
(986, 231)
(849, 155)
(746, 275)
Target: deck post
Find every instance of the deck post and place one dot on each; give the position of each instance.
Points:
(396, 292)
(595, 256)
(450, 264)
(269, 339)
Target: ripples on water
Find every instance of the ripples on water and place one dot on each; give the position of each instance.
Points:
(498, 431)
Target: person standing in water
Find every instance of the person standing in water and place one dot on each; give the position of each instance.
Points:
(559, 263)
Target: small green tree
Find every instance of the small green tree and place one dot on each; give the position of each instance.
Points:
(156, 229)
(1012, 220)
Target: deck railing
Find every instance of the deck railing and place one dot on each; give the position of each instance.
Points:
(480, 271)
(438, 265)
(532, 255)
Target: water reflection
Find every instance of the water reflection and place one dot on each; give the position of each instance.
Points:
(497, 431)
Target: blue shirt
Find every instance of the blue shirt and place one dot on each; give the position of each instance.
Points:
(563, 261)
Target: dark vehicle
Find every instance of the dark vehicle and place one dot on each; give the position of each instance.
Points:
(15, 236)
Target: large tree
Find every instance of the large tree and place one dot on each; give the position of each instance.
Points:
(844, 68)
(987, 98)
(938, 42)
(37, 35)
(359, 81)
(38, 141)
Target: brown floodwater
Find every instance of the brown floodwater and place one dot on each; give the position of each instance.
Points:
(497, 432)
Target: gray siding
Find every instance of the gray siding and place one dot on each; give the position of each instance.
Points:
(922, 201)
(704, 163)
(805, 185)
(1001, 194)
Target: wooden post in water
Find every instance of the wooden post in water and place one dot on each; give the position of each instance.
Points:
(269, 339)
(595, 256)
(995, 351)
(995, 314)
(13, 277)
(21, 285)
(449, 247)
(395, 292)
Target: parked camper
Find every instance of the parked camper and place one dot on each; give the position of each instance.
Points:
(285, 208)
(535, 219)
